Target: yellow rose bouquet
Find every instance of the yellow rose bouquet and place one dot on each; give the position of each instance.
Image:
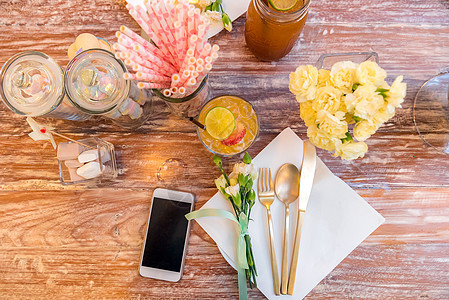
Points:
(350, 93)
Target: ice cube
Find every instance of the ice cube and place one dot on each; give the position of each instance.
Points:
(68, 151)
(90, 170)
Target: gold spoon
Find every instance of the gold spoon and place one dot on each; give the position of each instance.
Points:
(286, 187)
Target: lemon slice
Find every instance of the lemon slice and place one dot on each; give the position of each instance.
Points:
(220, 122)
(283, 5)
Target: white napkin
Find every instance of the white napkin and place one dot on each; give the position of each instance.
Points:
(234, 9)
(337, 220)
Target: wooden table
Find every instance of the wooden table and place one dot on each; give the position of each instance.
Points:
(74, 242)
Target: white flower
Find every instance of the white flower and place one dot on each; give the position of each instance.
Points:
(303, 82)
(396, 94)
(220, 182)
(204, 3)
(213, 15)
(233, 190)
(351, 150)
(343, 75)
(245, 169)
(322, 139)
(369, 72)
(333, 124)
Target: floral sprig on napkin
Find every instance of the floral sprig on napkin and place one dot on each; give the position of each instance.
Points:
(348, 94)
(237, 187)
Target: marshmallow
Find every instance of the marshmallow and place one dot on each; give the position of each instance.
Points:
(67, 151)
(74, 176)
(88, 155)
(89, 170)
(72, 163)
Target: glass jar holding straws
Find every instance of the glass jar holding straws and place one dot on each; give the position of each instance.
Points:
(32, 84)
(176, 66)
(97, 84)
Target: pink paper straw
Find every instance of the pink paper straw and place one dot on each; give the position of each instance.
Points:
(200, 61)
(129, 76)
(153, 58)
(152, 77)
(137, 38)
(166, 93)
(199, 68)
(175, 79)
(161, 28)
(149, 85)
(206, 50)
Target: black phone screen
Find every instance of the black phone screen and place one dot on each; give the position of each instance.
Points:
(166, 235)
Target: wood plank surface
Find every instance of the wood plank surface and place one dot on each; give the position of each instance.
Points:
(75, 242)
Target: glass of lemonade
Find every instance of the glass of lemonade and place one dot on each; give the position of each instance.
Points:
(231, 123)
(273, 26)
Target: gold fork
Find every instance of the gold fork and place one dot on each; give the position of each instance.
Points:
(266, 198)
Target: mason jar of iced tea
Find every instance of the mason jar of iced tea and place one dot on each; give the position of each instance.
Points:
(270, 34)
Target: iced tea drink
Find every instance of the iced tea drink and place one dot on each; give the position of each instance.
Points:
(270, 34)
(236, 128)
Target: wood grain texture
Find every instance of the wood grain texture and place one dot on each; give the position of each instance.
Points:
(75, 242)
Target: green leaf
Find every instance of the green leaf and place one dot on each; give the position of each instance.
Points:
(217, 161)
(355, 86)
(242, 180)
(216, 6)
(219, 2)
(209, 7)
(247, 158)
(357, 119)
(249, 182)
(382, 92)
(251, 195)
(227, 23)
(237, 200)
(348, 138)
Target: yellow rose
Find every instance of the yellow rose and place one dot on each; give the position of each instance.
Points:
(351, 150)
(324, 77)
(322, 139)
(364, 102)
(364, 129)
(369, 72)
(343, 75)
(307, 113)
(327, 98)
(303, 82)
(333, 124)
(396, 94)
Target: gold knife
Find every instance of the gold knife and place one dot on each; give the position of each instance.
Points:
(307, 174)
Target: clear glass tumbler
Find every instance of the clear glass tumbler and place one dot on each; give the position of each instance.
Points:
(190, 105)
(89, 161)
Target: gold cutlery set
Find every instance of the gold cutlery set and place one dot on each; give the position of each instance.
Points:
(289, 184)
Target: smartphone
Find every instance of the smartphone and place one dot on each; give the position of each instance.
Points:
(167, 234)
